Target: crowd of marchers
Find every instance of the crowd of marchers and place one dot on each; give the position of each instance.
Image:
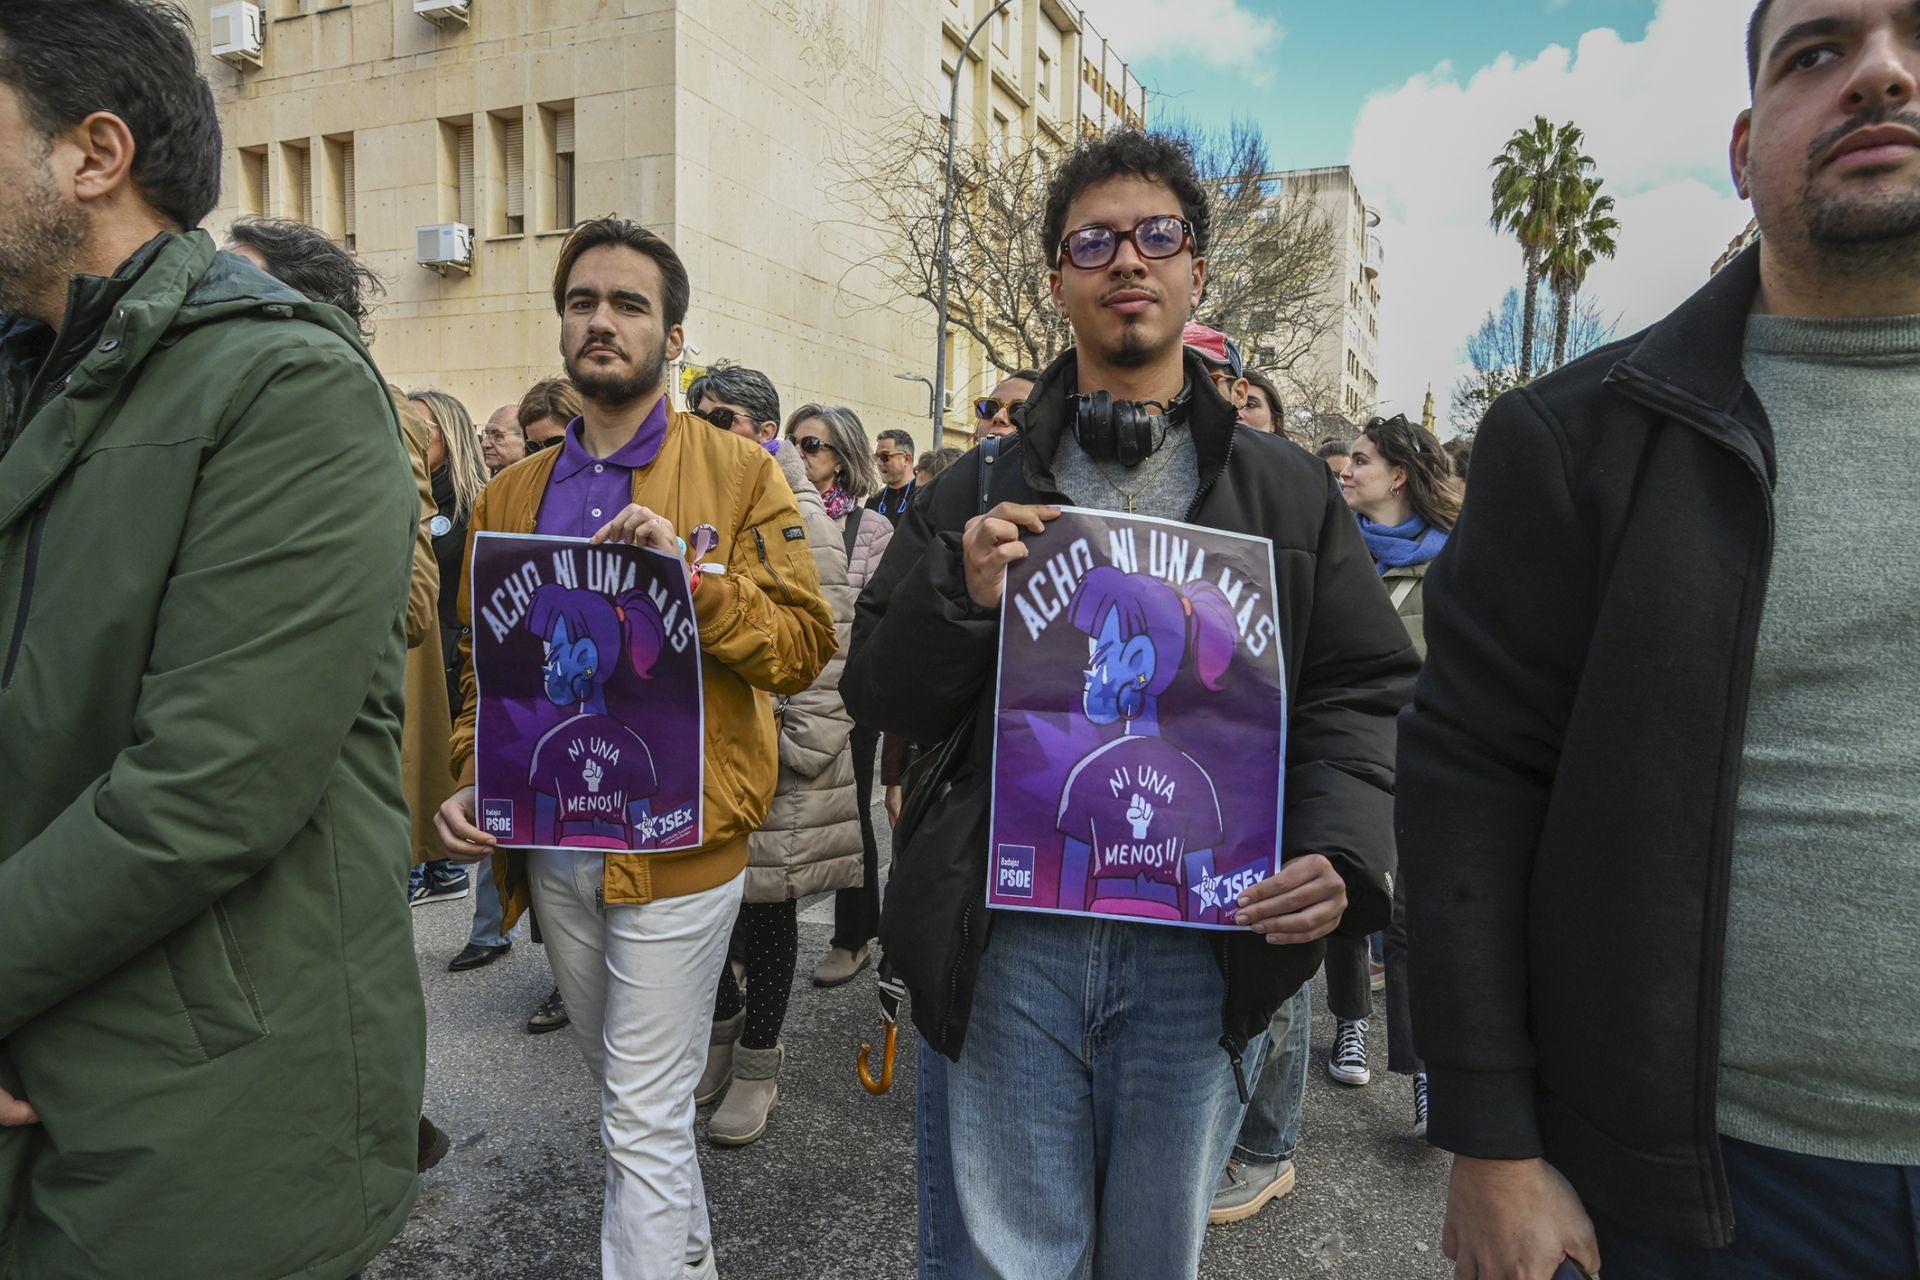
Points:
(1602, 777)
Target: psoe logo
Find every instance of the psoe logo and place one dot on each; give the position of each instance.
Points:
(1013, 871)
(496, 818)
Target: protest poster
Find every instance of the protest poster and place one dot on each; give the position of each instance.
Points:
(591, 717)
(1140, 733)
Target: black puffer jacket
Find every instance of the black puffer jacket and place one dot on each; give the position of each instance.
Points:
(923, 657)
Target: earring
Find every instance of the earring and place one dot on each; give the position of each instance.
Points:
(1141, 681)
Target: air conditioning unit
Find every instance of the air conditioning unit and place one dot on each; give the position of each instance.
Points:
(238, 37)
(444, 245)
(443, 11)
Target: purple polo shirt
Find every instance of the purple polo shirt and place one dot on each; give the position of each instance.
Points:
(585, 492)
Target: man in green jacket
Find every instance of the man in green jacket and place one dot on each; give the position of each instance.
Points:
(211, 1029)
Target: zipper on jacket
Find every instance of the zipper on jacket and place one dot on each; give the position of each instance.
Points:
(760, 541)
(1720, 886)
(953, 975)
(1193, 511)
(34, 532)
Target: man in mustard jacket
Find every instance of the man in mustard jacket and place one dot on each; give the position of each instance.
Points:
(637, 941)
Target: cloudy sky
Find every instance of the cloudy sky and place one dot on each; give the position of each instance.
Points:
(1418, 95)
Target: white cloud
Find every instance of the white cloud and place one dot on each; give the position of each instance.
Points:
(1224, 34)
(1657, 112)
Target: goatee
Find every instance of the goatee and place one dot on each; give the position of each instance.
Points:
(613, 389)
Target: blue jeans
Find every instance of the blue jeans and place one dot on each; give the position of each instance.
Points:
(488, 911)
(1271, 1130)
(1794, 1218)
(1092, 1108)
(945, 1253)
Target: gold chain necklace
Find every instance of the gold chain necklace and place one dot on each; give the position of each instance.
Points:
(1172, 453)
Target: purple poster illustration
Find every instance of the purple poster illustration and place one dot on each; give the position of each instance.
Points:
(1141, 730)
(590, 730)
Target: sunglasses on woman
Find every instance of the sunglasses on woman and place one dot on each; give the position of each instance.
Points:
(987, 406)
(1160, 236)
(811, 445)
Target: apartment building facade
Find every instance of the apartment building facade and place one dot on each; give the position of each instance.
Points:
(1343, 369)
(718, 123)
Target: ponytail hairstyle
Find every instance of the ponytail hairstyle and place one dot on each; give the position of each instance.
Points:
(1430, 483)
(1192, 626)
(629, 628)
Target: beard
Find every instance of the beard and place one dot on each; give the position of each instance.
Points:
(1860, 223)
(614, 389)
(41, 236)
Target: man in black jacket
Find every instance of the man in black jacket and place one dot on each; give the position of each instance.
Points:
(1108, 1144)
(1657, 811)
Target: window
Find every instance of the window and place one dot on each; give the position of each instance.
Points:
(507, 186)
(336, 214)
(256, 184)
(1044, 76)
(458, 200)
(1003, 29)
(297, 162)
(1000, 142)
(564, 178)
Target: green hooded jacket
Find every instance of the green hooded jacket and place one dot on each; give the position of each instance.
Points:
(207, 980)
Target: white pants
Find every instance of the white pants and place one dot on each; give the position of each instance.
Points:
(639, 984)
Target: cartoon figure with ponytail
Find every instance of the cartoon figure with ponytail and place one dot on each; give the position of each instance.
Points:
(1140, 816)
(593, 777)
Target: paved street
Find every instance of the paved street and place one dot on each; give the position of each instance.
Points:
(828, 1193)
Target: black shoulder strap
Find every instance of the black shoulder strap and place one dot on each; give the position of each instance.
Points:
(851, 530)
(989, 452)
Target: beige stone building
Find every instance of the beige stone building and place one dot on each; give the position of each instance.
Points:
(391, 123)
(1342, 374)
(1040, 69)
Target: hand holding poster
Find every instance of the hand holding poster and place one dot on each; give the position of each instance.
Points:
(1140, 736)
(591, 718)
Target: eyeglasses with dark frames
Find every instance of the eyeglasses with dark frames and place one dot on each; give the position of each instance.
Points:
(1161, 236)
(722, 417)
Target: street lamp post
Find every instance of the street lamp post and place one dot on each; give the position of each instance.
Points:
(941, 243)
(933, 398)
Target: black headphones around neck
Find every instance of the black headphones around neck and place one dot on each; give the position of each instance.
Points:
(1127, 431)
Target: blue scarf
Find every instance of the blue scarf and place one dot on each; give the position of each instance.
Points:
(1395, 546)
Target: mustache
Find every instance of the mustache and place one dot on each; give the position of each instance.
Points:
(1135, 286)
(608, 343)
(1871, 118)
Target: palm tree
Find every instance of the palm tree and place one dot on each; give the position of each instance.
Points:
(1585, 235)
(1540, 172)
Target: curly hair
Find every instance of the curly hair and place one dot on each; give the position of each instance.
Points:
(1126, 153)
(306, 261)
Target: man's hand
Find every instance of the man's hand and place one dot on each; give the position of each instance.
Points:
(1303, 902)
(992, 542)
(16, 1111)
(642, 528)
(1514, 1220)
(894, 794)
(463, 841)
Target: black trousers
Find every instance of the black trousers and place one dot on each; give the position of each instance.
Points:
(1349, 991)
(856, 912)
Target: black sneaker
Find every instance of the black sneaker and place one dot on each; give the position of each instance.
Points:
(1348, 1061)
(550, 1016)
(1420, 1105)
(434, 887)
(434, 1144)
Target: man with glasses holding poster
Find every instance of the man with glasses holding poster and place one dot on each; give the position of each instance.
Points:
(1130, 1043)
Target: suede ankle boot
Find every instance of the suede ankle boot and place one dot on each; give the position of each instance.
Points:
(720, 1047)
(742, 1117)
